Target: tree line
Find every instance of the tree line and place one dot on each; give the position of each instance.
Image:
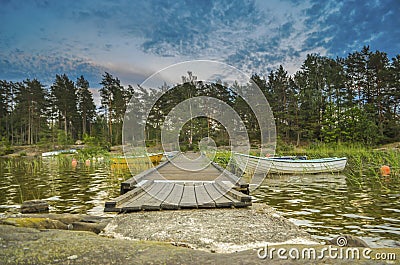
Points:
(352, 99)
(61, 114)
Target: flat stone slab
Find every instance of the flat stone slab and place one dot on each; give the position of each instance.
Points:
(35, 206)
(20, 245)
(216, 230)
(56, 221)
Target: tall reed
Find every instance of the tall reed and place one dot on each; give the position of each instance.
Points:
(363, 162)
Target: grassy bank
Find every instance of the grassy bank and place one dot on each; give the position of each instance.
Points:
(362, 161)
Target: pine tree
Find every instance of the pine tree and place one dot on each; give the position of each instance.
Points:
(30, 109)
(114, 100)
(64, 99)
(86, 106)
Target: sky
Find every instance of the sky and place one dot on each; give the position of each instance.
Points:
(134, 39)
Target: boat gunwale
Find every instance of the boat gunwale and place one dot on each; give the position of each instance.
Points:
(306, 161)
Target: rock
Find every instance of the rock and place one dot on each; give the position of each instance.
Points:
(65, 221)
(65, 218)
(90, 227)
(221, 230)
(66, 247)
(35, 206)
(32, 222)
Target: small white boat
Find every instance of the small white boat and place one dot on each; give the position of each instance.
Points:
(288, 165)
(54, 153)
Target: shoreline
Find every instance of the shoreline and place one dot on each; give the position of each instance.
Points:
(220, 230)
(46, 245)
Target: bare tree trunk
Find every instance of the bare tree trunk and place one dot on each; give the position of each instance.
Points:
(29, 125)
(12, 129)
(110, 132)
(65, 123)
(84, 125)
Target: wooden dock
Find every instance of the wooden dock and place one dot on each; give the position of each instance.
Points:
(186, 181)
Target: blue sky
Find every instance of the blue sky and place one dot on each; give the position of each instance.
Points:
(134, 39)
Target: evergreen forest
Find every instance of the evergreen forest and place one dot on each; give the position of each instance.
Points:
(355, 99)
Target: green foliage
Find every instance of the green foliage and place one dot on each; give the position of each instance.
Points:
(63, 139)
(114, 102)
(93, 148)
(5, 147)
(222, 158)
(355, 99)
(363, 161)
(64, 104)
(86, 106)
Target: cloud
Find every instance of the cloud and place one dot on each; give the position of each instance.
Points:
(353, 24)
(19, 65)
(133, 39)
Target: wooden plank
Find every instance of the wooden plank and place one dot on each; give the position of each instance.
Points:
(110, 206)
(136, 203)
(130, 183)
(180, 189)
(232, 177)
(155, 202)
(233, 193)
(236, 203)
(203, 198)
(173, 199)
(188, 199)
(219, 199)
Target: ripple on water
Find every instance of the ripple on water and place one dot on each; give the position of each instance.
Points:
(326, 205)
(336, 205)
(391, 219)
(350, 215)
(391, 210)
(295, 201)
(311, 210)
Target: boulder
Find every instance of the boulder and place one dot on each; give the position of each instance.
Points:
(34, 222)
(35, 206)
(85, 226)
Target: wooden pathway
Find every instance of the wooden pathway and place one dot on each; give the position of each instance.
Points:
(186, 181)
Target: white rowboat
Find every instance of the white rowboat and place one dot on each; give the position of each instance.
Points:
(283, 165)
(59, 152)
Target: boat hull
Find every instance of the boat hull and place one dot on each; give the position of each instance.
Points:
(257, 165)
(59, 152)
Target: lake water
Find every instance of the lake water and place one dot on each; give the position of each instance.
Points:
(80, 189)
(324, 205)
(330, 205)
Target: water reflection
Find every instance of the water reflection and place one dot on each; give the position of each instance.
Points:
(82, 189)
(325, 205)
(329, 205)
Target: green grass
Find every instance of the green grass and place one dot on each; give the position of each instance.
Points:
(362, 161)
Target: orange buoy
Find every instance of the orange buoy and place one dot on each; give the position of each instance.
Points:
(385, 171)
(74, 162)
(87, 162)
